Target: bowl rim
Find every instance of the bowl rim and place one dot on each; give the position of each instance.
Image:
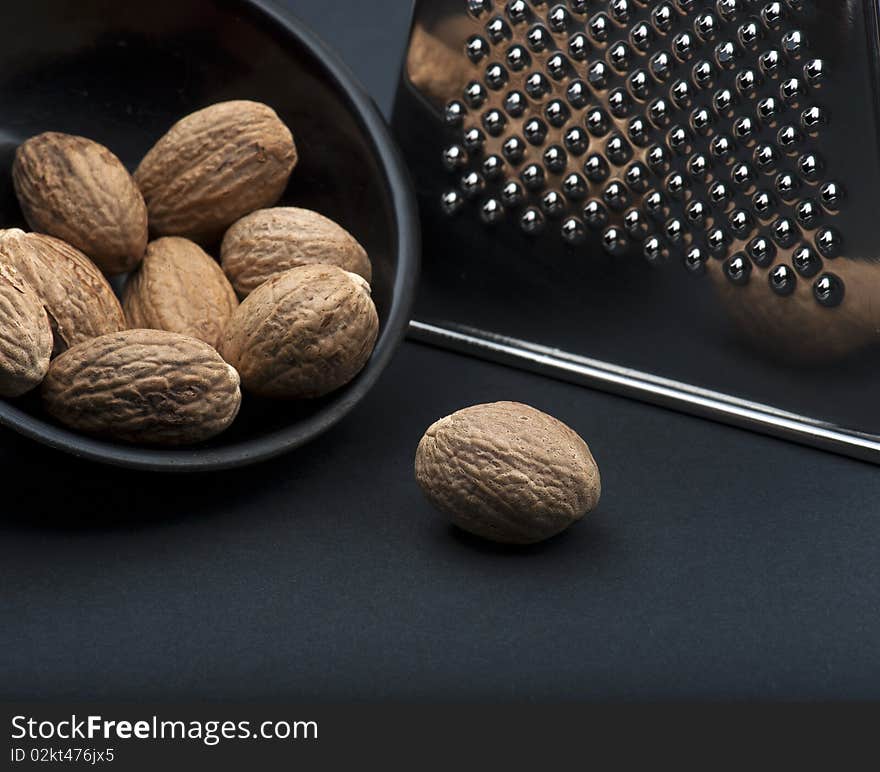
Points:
(248, 452)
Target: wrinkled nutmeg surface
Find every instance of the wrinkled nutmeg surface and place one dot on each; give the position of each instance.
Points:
(179, 288)
(79, 300)
(302, 334)
(271, 241)
(143, 386)
(213, 167)
(77, 190)
(25, 335)
(507, 472)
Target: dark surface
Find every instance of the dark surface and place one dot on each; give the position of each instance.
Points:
(719, 564)
(123, 78)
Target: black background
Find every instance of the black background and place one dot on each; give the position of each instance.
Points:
(720, 564)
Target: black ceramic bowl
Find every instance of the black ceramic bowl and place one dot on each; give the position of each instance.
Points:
(122, 73)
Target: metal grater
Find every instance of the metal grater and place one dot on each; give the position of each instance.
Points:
(671, 199)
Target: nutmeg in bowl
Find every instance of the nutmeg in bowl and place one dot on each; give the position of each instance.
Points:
(123, 79)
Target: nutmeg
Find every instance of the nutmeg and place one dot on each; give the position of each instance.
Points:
(271, 241)
(77, 190)
(507, 472)
(303, 334)
(179, 288)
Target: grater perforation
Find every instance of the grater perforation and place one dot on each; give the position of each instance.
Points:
(690, 129)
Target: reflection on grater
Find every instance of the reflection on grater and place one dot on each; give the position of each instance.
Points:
(734, 140)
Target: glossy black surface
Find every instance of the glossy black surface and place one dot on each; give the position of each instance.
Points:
(122, 73)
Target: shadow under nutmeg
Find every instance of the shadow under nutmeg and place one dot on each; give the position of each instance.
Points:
(586, 533)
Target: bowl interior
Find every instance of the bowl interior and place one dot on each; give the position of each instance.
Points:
(122, 74)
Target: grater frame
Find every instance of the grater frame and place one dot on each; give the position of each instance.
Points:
(421, 123)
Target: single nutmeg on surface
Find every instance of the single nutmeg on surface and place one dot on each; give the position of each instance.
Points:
(303, 334)
(507, 472)
(78, 299)
(179, 288)
(25, 335)
(144, 386)
(77, 190)
(270, 241)
(213, 167)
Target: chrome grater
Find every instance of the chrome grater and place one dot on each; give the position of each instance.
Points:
(674, 200)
